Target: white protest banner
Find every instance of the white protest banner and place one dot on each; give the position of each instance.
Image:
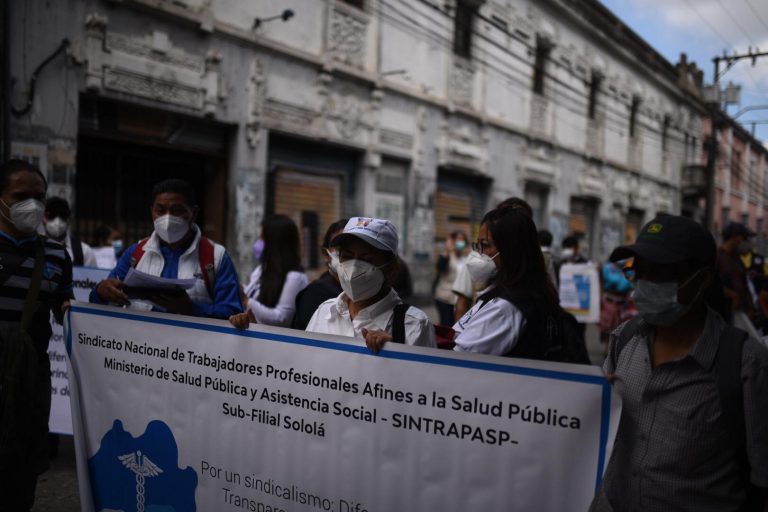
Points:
(580, 291)
(184, 414)
(60, 419)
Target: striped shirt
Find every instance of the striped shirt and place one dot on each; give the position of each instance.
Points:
(672, 450)
(17, 262)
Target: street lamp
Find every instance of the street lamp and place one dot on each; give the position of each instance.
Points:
(285, 16)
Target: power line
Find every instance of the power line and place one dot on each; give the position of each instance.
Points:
(736, 22)
(744, 32)
(707, 23)
(757, 14)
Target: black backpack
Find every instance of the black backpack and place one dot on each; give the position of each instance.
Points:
(566, 340)
(77, 251)
(547, 336)
(727, 370)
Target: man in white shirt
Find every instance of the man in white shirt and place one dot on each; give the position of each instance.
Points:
(56, 225)
(367, 267)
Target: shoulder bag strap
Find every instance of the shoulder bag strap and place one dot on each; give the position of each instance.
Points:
(398, 323)
(34, 286)
(626, 334)
(730, 388)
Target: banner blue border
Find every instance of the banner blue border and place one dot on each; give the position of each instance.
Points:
(404, 356)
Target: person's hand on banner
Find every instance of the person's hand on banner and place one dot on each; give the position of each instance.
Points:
(375, 340)
(111, 290)
(65, 306)
(242, 320)
(179, 304)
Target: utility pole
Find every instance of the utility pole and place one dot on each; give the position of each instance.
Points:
(712, 151)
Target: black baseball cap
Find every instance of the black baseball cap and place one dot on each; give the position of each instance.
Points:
(670, 239)
(736, 229)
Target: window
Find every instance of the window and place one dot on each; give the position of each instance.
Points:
(594, 90)
(633, 115)
(462, 31)
(543, 49)
(736, 174)
(665, 132)
(354, 3)
(500, 23)
(536, 196)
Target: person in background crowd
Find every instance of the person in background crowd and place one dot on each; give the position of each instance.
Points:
(56, 226)
(258, 250)
(25, 376)
(177, 249)
(270, 296)
(448, 265)
(731, 270)
(463, 286)
(324, 287)
(755, 266)
(616, 305)
(108, 248)
(510, 316)
(545, 242)
(693, 433)
(369, 308)
(570, 252)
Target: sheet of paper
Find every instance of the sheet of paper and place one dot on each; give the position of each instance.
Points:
(138, 279)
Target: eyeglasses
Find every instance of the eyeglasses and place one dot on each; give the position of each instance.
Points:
(481, 246)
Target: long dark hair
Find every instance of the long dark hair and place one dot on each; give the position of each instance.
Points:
(281, 255)
(522, 267)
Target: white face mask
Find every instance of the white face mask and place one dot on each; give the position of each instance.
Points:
(170, 228)
(333, 265)
(26, 215)
(567, 253)
(56, 228)
(359, 279)
(481, 267)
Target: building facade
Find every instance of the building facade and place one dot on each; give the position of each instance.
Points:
(426, 112)
(742, 165)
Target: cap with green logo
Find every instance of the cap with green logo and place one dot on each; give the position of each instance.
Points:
(670, 239)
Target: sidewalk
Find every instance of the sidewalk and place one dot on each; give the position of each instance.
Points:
(57, 488)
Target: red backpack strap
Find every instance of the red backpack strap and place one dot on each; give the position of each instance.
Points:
(138, 253)
(205, 250)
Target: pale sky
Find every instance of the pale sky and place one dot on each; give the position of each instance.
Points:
(703, 29)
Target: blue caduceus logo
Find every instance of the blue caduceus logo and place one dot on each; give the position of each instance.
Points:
(143, 468)
(141, 473)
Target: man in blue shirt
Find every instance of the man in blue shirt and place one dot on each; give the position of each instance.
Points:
(177, 249)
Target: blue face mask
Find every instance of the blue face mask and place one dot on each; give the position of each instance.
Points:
(657, 302)
(117, 245)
